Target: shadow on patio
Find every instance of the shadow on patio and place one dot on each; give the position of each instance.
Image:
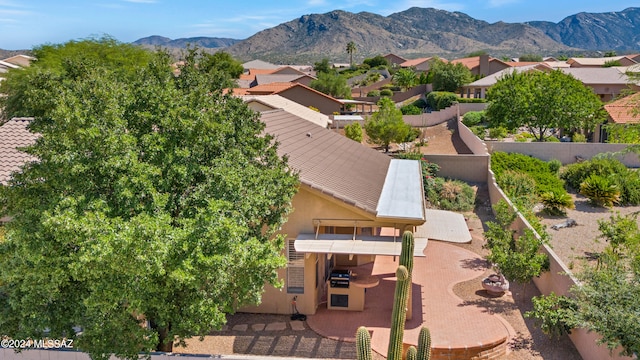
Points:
(456, 327)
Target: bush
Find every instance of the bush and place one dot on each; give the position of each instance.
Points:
(473, 118)
(386, 92)
(523, 137)
(420, 103)
(554, 166)
(556, 203)
(600, 190)
(518, 186)
(629, 185)
(439, 100)
(575, 174)
(499, 132)
(373, 93)
(579, 138)
(354, 131)
(551, 139)
(480, 131)
(546, 181)
(410, 110)
(454, 195)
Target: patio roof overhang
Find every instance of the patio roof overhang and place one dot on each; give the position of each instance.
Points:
(358, 245)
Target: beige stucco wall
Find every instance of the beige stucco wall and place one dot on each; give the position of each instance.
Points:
(308, 206)
(470, 168)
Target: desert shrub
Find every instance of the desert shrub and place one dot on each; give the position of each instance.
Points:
(373, 93)
(391, 87)
(518, 186)
(523, 137)
(551, 139)
(473, 118)
(554, 166)
(353, 131)
(600, 190)
(499, 132)
(629, 185)
(439, 100)
(420, 103)
(386, 92)
(546, 181)
(556, 203)
(479, 130)
(575, 174)
(471, 100)
(454, 195)
(578, 138)
(410, 110)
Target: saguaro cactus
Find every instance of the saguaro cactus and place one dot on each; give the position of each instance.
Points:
(398, 317)
(363, 344)
(406, 253)
(424, 344)
(412, 353)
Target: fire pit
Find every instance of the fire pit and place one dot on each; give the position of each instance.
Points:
(495, 284)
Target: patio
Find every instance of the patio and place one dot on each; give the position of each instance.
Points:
(456, 330)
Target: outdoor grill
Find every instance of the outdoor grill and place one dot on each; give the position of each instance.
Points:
(339, 278)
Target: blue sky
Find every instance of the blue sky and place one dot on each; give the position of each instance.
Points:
(28, 23)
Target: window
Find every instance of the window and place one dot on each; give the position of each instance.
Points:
(295, 269)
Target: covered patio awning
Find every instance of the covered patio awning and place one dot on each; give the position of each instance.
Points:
(362, 245)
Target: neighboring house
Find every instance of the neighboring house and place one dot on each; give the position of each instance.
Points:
(606, 82)
(14, 135)
(478, 88)
(347, 193)
(601, 61)
(259, 64)
(261, 103)
(622, 111)
(420, 64)
(394, 60)
(299, 93)
(482, 65)
(262, 79)
(20, 60)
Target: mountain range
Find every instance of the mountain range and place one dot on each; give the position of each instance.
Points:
(418, 32)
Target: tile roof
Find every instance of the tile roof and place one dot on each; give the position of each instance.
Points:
(418, 61)
(13, 135)
(279, 102)
(271, 88)
(262, 79)
(329, 162)
(625, 110)
(259, 64)
(598, 75)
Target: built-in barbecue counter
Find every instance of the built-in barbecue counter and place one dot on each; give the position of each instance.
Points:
(347, 285)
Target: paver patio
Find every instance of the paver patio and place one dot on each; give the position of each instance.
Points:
(452, 324)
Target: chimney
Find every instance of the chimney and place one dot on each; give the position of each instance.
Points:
(484, 65)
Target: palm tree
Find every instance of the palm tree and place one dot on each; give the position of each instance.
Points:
(351, 48)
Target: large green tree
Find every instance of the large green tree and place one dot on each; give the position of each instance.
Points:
(332, 84)
(540, 101)
(151, 212)
(386, 126)
(447, 76)
(405, 78)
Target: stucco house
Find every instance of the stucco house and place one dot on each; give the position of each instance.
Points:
(394, 60)
(299, 93)
(348, 193)
(261, 103)
(478, 88)
(482, 65)
(420, 64)
(622, 112)
(601, 61)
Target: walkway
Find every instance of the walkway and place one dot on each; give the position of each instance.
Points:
(452, 324)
